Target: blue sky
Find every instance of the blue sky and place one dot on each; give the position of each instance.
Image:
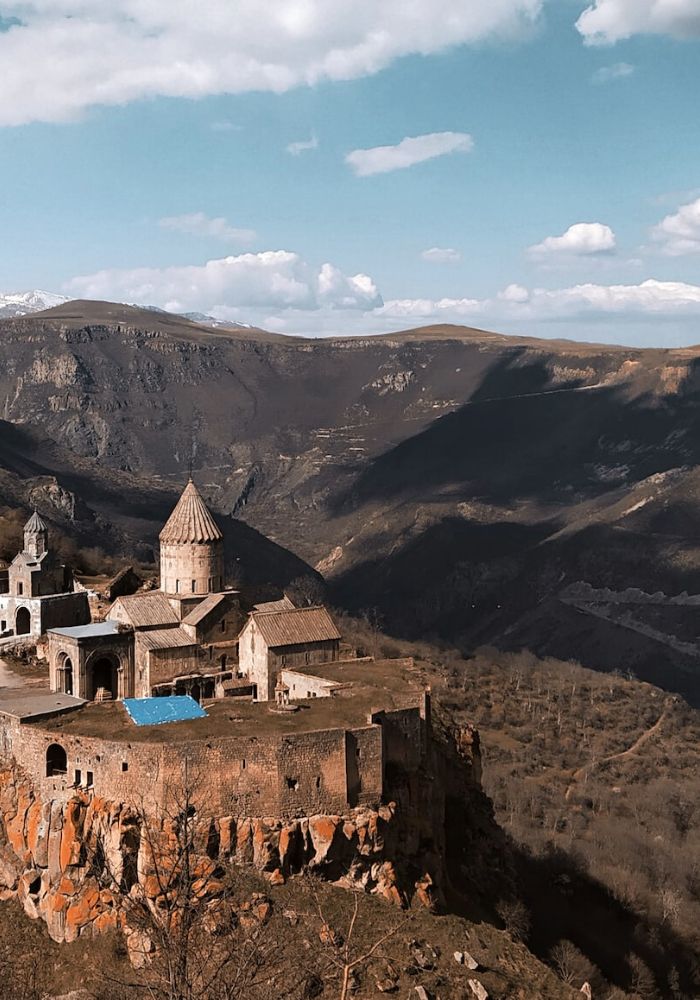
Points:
(554, 185)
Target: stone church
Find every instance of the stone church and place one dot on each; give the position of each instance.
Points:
(184, 638)
(37, 592)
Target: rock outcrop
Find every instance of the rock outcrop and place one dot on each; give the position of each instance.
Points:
(71, 863)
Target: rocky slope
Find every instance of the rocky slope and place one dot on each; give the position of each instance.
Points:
(456, 481)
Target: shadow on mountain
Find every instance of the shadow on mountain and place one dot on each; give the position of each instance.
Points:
(469, 584)
(540, 444)
(492, 878)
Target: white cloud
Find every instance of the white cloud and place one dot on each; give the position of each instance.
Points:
(411, 150)
(514, 293)
(199, 224)
(679, 233)
(279, 291)
(273, 280)
(581, 240)
(442, 255)
(608, 21)
(69, 55)
(650, 298)
(618, 71)
(295, 148)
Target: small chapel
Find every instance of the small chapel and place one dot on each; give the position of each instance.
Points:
(37, 591)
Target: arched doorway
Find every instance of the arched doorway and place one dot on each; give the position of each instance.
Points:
(67, 685)
(56, 760)
(23, 622)
(102, 678)
(196, 692)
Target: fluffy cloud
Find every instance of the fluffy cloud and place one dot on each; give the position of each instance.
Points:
(276, 280)
(650, 298)
(296, 148)
(199, 224)
(679, 233)
(618, 71)
(441, 255)
(608, 21)
(65, 56)
(279, 291)
(583, 239)
(411, 150)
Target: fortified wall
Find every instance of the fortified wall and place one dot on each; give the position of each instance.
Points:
(354, 786)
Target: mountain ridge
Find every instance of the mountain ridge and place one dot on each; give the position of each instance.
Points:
(455, 481)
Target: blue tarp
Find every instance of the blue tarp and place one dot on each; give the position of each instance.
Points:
(157, 711)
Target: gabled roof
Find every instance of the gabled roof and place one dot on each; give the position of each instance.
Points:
(144, 610)
(164, 638)
(296, 626)
(191, 520)
(284, 604)
(209, 604)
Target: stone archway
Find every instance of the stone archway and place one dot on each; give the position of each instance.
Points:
(102, 675)
(64, 674)
(23, 621)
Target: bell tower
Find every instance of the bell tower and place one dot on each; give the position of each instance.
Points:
(36, 537)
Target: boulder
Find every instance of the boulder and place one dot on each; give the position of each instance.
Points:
(478, 989)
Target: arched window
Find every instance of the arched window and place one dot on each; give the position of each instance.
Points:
(56, 760)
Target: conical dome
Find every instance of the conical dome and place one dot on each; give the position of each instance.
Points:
(35, 523)
(191, 521)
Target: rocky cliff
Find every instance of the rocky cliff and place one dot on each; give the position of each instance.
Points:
(73, 862)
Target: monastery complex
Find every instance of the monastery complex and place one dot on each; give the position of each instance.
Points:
(287, 721)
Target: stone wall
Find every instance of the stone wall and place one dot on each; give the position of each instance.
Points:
(275, 775)
(56, 611)
(302, 686)
(191, 568)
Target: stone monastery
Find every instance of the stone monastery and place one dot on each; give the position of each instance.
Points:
(292, 722)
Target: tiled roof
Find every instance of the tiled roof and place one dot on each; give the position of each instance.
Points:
(191, 521)
(296, 626)
(144, 610)
(284, 604)
(164, 638)
(199, 613)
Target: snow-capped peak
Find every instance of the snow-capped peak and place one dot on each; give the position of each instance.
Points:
(24, 303)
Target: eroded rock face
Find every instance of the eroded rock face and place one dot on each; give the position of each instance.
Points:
(70, 863)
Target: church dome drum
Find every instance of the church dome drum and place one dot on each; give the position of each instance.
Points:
(191, 548)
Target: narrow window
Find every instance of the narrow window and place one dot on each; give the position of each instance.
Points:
(223, 624)
(20, 589)
(78, 777)
(194, 586)
(293, 784)
(318, 782)
(90, 779)
(125, 766)
(243, 764)
(177, 586)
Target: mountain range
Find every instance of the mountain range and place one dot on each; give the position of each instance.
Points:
(448, 482)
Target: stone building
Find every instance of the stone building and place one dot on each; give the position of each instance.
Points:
(191, 548)
(94, 662)
(182, 639)
(273, 640)
(39, 592)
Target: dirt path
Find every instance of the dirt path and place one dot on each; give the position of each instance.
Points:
(638, 743)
